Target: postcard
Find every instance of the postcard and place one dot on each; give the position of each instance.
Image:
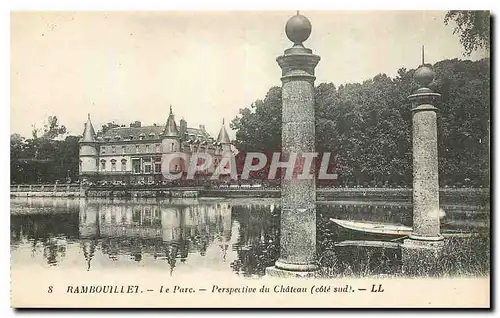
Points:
(250, 159)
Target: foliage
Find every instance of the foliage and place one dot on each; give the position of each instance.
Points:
(368, 126)
(258, 128)
(458, 258)
(259, 241)
(46, 158)
(473, 28)
(51, 129)
(107, 127)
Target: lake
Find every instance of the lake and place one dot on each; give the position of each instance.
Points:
(180, 236)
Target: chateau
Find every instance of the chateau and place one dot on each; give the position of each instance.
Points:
(134, 154)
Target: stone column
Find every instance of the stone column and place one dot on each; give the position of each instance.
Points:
(298, 196)
(426, 225)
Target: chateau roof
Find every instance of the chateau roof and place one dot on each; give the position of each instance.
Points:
(88, 132)
(148, 133)
(223, 136)
(171, 127)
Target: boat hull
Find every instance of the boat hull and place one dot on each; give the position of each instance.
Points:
(379, 231)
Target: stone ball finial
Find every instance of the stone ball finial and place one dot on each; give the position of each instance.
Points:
(298, 28)
(424, 75)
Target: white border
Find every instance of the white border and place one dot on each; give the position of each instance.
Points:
(100, 5)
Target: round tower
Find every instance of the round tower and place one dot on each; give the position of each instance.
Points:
(223, 139)
(88, 150)
(171, 141)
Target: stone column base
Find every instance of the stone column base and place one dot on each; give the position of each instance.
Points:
(421, 257)
(273, 271)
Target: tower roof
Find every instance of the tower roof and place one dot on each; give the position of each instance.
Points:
(171, 127)
(223, 137)
(88, 132)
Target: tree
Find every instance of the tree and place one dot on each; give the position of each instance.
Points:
(16, 151)
(107, 127)
(66, 161)
(44, 158)
(51, 129)
(473, 28)
(368, 126)
(464, 121)
(258, 128)
(16, 145)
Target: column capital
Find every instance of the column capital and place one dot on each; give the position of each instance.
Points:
(298, 65)
(424, 97)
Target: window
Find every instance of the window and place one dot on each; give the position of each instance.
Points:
(103, 164)
(157, 167)
(147, 165)
(172, 148)
(137, 148)
(136, 165)
(147, 148)
(80, 165)
(103, 150)
(113, 165)
(123, 149)
(124, 164)
(158, 148)
(113, 149)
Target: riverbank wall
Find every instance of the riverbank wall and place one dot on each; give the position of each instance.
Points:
(479, 196)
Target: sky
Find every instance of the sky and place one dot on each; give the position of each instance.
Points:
(128, 66)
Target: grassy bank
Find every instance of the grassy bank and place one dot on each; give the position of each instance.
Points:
(459, 257)
(469, 256)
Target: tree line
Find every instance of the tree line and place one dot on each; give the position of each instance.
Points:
(46, 156)
(368, 125)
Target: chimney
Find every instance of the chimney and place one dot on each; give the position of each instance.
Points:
(183, 127)
(202, 127)
(135, 124)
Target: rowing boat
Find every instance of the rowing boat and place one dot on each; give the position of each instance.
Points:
(386, 230)
(383, 244)
(374, 228)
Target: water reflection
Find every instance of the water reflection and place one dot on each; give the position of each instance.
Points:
(258, 239)
(179, 235)
(177, 232)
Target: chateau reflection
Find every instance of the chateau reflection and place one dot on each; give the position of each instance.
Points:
(170, 231)
(167, 230)
(178, 233)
